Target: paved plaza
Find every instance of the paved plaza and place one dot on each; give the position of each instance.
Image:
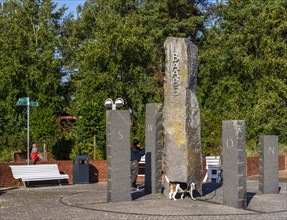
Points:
(89, 201)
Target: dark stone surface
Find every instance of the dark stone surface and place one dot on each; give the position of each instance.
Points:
(268, 164)
(181, 114)
(118, 155)
(153, 145)
(234, 166)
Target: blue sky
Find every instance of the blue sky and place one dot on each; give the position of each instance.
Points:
(71, 4)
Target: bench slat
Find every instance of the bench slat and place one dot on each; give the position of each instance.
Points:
(37, 172)
(41, 178)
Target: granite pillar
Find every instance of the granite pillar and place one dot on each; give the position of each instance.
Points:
(153, 148)
(234, 163)
(181, 114)
(268, 164)
(118, 155)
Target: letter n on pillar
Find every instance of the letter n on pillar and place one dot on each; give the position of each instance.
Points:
(118, 155)
(268, 164)
(234, 163)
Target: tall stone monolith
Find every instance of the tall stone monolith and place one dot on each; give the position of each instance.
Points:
(234, 163)
(268, 164)
(153, 148)
(181, 114)
(118, 156)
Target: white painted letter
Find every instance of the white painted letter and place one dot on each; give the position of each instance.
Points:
(120, 135)
(271, 150)
(175, 57)
(229, 143)
(149, 127)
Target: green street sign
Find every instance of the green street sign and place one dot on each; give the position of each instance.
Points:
(23, 99)
(34, 104)
(23, 103)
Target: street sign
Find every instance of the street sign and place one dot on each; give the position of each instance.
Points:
(25, 102)
(23, 99)
(34, 103)
(22, 102)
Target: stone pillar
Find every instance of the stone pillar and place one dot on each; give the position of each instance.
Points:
(181, 115)
(118, 155)
(234, 163)
(153, 148)
(268, 164)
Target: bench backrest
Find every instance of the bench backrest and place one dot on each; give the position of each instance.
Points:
(142, 161)
(212, 161)
(20, 171)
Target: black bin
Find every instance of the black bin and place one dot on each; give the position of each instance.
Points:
(81, 170)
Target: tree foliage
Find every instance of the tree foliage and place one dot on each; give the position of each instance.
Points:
(29, 38)
(112, 49)
(243, 72)
(117, 49)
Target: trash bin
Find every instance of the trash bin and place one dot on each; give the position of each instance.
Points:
(81, 170)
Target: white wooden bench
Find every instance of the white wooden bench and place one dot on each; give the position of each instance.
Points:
(38, 172)
(212, 169)
(142, 162)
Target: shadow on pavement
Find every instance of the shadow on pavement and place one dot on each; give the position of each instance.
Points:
(2, 191)
(210, 187)
(207, 188)
(138, 192)
(249, 196)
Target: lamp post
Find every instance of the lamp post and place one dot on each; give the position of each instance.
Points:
(118, 151)
(110, 104)
(118, 103)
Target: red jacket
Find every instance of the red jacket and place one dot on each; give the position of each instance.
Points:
(34, 154)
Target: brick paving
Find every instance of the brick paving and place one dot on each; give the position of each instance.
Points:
(89, 201)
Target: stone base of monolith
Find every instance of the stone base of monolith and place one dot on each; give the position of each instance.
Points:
(153, 148)
(234, 163)
(118, 156)
(268, 164)
(181, 114)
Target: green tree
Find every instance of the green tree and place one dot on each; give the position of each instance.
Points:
(29, 67)
(115, 49)
(243, 70)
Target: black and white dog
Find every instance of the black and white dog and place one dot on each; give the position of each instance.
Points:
(180, 187)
